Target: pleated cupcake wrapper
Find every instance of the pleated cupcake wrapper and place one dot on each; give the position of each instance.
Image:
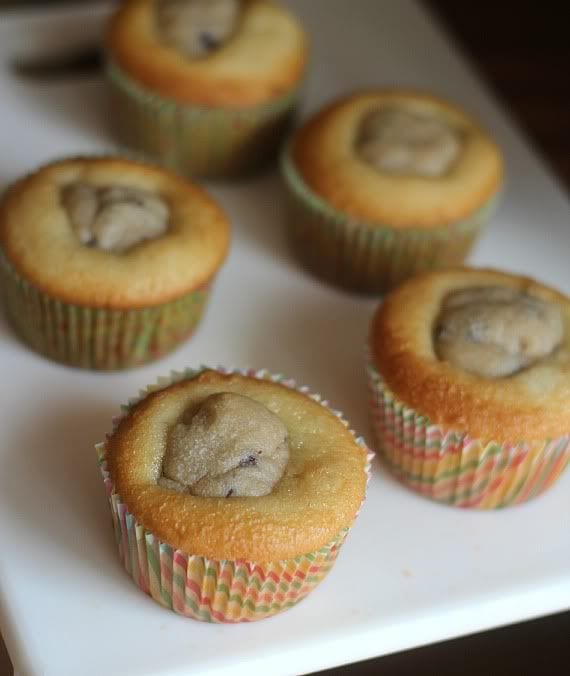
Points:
(454, 468)
(198, 141)
(209, 589)
(366, 257)
(97, 338)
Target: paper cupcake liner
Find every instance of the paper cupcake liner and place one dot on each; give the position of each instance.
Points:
(208, 589)
(97, 338)
(198, 141)
(454, 468)
(365, 257)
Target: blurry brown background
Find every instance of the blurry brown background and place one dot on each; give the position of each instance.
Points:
(522, 50)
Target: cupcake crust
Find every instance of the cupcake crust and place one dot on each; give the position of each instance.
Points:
(324, 152)
(263, 60)
(318, 496)
(40, 244)
(531, 404)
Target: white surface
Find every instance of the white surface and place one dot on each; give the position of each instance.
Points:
(411, 572)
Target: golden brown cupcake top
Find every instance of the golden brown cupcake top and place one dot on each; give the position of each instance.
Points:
(111, 233)
(399, 158)
(479, 351)
(221, 53)
(318, 494)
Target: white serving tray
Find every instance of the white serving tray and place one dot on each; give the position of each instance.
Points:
(411, 572)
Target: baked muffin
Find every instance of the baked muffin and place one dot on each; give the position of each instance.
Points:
(107, 263)
(207, 87)
(385, 183)
(231, 492)
(470, 386)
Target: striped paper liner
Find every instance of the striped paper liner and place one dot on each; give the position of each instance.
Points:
(208, 589)
(97, 338)
(198, 141)
(453, 468)
(366, 257)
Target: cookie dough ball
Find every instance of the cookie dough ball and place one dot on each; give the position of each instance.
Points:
(114, 218)
(496, 331)
(232, 446)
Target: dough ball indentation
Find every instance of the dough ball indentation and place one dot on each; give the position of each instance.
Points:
(232, 446)
(495, 332)
(398, 141)
(196, 27)
(114, 218)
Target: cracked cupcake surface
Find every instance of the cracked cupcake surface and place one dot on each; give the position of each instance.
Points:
(231, 446)
(496, 331)
(196, 27)
(114, 218)
(399, 141)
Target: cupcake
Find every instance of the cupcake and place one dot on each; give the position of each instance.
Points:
(207, 87)
(386, 183)
(469, 379)
(231, 492)
(107, 263)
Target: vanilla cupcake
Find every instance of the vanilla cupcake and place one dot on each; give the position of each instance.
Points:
(469, 377)
(231, 492)
(207, 87)
(386, 183)
(107, 263)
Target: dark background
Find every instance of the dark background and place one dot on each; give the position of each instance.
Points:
(522, 50)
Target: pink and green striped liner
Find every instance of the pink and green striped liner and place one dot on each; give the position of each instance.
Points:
(369, 258)
(97, 338)
(453, 468)
(198, 141)
(208, 589)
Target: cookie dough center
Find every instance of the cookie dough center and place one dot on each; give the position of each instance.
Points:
(196, 27)
(496, 331)
(399, 141)
(114, 218)
(231, 446)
